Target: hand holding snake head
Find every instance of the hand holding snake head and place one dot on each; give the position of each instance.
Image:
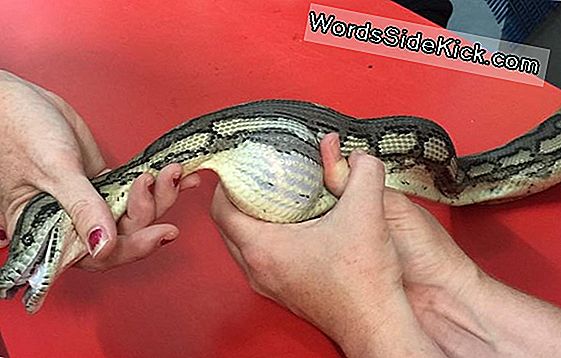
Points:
(47, 147)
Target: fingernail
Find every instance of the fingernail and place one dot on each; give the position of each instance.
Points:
(96, 241)
(176, 180)
(197, 180)
(150, 185)
(165, 241)
(169, 237)
(3, 236)
(334, 147)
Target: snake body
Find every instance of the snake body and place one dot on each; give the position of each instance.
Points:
(266, 154)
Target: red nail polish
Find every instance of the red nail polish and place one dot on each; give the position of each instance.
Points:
(96, 241)
(165, 242)
(3, 236)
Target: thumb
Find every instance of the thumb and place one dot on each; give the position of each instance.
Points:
(336, 170)
(364, 192)
(90, 214)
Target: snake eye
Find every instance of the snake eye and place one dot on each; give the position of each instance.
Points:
(27, 239)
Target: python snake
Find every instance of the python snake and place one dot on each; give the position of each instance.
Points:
(266, 154)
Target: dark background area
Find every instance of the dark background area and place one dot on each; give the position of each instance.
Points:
(532, 22)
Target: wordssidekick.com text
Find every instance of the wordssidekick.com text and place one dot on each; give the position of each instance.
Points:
(395, 37)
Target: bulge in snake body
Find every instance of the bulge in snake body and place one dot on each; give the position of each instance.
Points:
(267, 156)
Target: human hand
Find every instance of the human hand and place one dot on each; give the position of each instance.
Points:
(46, 146)
(432, 263)
(137, 235)
(340, 272)
(428, 255)
(465, 311)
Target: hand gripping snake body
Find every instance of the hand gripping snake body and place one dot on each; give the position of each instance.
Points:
(267, 156)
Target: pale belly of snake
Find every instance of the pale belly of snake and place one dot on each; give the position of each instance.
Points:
(266, 154)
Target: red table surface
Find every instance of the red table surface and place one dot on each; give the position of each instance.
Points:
(136, 69)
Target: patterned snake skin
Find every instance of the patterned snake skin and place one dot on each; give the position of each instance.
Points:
(267, 156)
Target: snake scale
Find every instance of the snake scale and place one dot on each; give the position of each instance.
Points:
(266, 154)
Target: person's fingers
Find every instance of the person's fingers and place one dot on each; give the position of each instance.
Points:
(141, 208)
(397, 205)
(133, 247)
(336, 169)
(190, 181)
(90, 214)
(364, 192)
(237, 226)
(150, 198)
(166, 188)
(404, 216)
(4, 240)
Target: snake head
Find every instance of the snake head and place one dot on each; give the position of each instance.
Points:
(37, 251)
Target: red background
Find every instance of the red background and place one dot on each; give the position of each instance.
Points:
(136, 70)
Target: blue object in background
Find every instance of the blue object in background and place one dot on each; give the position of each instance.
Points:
(520, 17)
